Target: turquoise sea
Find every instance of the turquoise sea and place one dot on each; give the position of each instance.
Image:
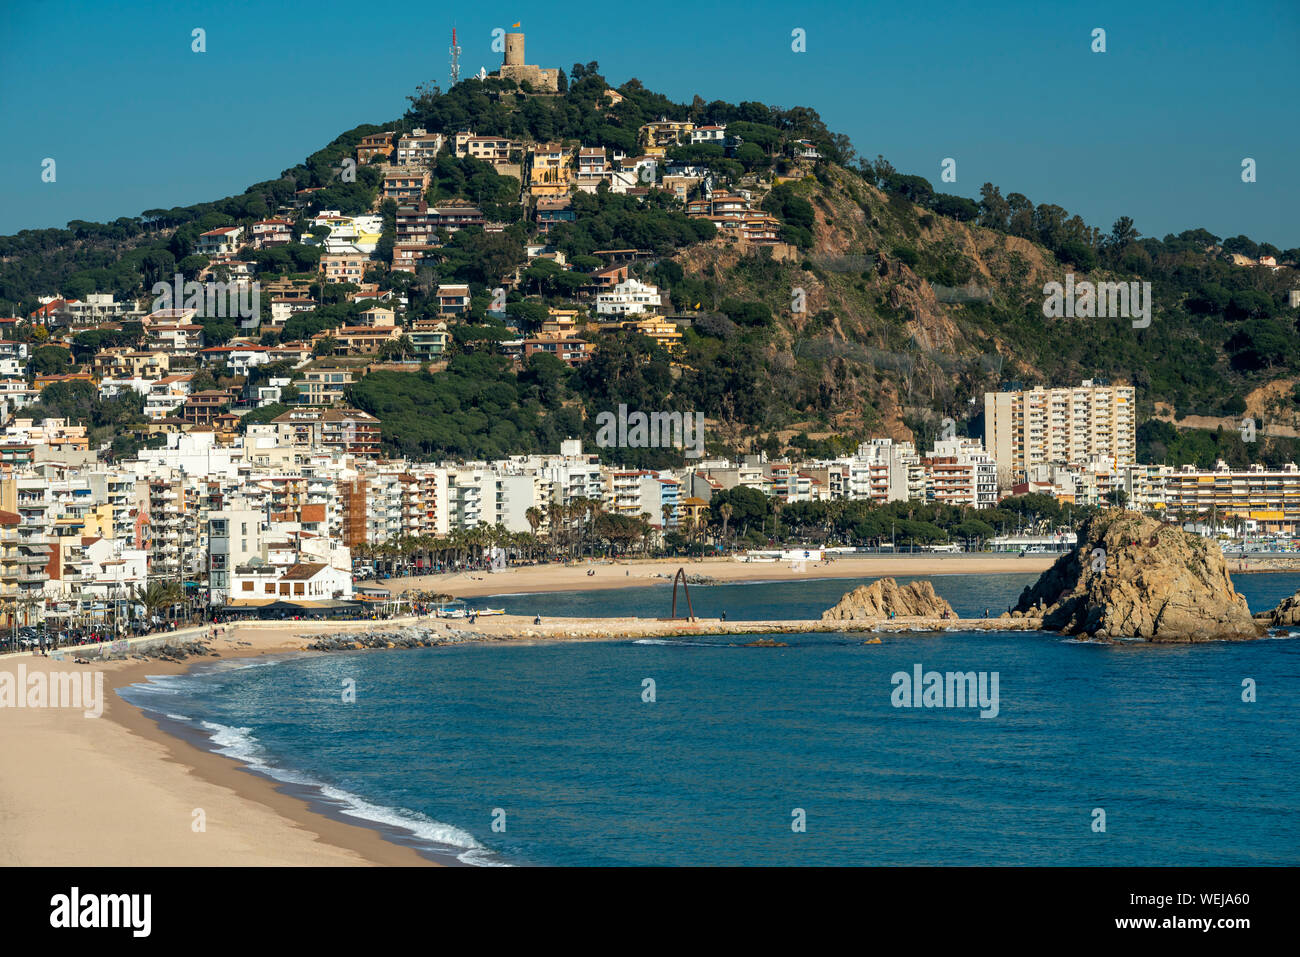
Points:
(553, 754)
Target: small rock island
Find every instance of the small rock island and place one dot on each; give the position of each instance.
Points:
(881, 598)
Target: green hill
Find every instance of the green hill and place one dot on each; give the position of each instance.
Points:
(888, 306)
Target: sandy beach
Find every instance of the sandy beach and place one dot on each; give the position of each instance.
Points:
(622, 574)
(118, 790)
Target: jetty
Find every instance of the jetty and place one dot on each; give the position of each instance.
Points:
(524, 627)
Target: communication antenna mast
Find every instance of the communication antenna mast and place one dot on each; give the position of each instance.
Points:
(455, 58)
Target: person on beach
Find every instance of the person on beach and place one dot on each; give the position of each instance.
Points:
(724, 614)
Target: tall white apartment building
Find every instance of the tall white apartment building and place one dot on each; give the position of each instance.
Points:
(1072, 426)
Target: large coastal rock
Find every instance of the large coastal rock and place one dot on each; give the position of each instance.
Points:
(877, 600)
(1134, 577)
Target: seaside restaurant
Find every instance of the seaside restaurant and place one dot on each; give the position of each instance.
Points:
(367, 602)
(282, 609)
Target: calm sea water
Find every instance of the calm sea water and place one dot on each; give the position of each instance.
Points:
(557, 743)
(969, 595)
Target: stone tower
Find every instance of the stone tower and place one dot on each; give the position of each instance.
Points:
(514, 68)
(514, 49)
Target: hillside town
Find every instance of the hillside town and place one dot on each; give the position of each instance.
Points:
(284, 517)
(227, 469)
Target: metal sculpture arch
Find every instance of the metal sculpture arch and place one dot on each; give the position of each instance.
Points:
(681, 576)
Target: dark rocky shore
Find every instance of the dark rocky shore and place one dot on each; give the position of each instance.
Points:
(412, 636)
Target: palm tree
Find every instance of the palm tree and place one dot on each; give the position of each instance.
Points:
(362, 552)
(158, 595)
(725, 510)
(555, 519)
(594, 508)
(10, 607)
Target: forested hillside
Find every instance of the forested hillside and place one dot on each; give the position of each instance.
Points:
(892, 306)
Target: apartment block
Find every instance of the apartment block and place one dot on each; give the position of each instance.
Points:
(1069, 426)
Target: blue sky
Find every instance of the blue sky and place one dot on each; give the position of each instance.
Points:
(1155, 128)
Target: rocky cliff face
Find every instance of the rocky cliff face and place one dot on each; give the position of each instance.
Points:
(877, 600)
(1133, 577)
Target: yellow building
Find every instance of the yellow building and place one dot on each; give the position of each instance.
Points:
(550, 172)
(661, 330)
(561, 323)
(665, 132)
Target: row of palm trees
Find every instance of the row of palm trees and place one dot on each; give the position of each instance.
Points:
(581, 527)
(463, 546)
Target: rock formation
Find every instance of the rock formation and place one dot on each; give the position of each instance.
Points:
(1134, 577)
(1285, 615)
(877, 600)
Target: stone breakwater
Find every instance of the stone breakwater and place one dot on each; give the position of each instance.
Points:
(177, 652)
(414, 636)
(625, 629)
(173, 651)
(691, 579)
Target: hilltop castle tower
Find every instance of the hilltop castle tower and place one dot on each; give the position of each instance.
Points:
(514, 68)
(514, 49)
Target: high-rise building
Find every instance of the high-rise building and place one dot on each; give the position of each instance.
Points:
(1073, 426)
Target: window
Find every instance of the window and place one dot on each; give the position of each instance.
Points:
(246, 586)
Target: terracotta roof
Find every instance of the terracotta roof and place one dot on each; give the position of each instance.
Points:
(303, 571)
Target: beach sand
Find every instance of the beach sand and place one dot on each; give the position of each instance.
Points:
(118, 790)
(622, 574)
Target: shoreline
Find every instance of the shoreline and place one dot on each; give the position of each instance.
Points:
(149, 775)
(122, 790)
(146, 776)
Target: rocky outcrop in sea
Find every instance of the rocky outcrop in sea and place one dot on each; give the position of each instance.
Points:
(880, 598)
(1132, 577)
